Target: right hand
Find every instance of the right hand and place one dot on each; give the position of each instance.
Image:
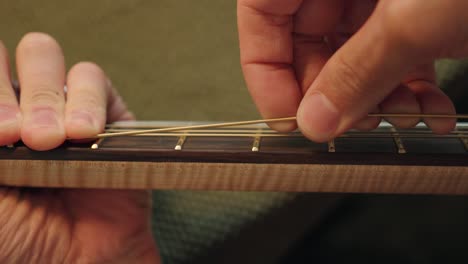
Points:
(379, 57)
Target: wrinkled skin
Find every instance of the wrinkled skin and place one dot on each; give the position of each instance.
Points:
(60, 225)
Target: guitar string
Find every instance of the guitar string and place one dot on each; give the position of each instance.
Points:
(458, 116)
(179, 128)
(247, 131)
(260, 121)
(357, 135)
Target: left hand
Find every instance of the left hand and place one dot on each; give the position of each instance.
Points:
(65, 225)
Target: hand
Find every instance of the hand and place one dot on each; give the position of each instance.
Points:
(332, 62)
(65, 226)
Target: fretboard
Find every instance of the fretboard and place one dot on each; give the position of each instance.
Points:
(253, 151)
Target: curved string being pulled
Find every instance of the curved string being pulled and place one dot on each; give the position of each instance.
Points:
(196, 129)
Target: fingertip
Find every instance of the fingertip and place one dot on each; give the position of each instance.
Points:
(283, 127)
(85, 113)
(401, 100)
(435, 101)
(441, 104)
(81, 124)
(89, 67)
(42, 139)
(42, 129)
(317, 117)
(10, 120)
(442, 128)
(34, 40)
(367, 124)
(127, 116)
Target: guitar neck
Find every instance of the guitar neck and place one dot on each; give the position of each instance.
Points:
(252, 158)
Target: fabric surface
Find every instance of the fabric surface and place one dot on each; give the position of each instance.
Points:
(187, 223)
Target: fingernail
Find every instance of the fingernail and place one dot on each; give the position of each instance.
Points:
(44, 118)
(84, 119)
(318, 117)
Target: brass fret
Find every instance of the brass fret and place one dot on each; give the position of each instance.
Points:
(180, 143)
(97, 143)
(257, 139)
(398, 142)
(256, 144)
(464, 140)
(331, 146)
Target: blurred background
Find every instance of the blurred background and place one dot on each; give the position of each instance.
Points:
(179, 60)
(171, 60)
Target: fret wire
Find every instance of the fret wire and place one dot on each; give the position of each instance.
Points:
(97, 143)
(331, 146)
(180, 142)
(464, 140)
(398, 141)
(257, 139)
(256, 144)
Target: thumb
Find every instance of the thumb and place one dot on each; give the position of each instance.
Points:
(355, 80)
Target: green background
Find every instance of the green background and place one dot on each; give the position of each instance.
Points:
(171, 60)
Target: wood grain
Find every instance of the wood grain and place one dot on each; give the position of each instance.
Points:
(236, 176)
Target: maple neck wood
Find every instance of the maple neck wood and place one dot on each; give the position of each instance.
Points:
(249, 158)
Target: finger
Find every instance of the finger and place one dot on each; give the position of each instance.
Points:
(434, 101)
(355, 14)
(355, 80)
(368, 123)
(117, 109)
(401, 100)
(266, 48)
(422, 82)
(314, 21)
(337, 20)
(41, 72)
(85, 111)
(10, 116)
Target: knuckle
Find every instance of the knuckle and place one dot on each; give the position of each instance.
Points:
(350, 78)
(89, 102)
(45, 96)
(270, 18)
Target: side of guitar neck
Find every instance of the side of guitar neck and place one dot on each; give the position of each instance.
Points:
(388, 161)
